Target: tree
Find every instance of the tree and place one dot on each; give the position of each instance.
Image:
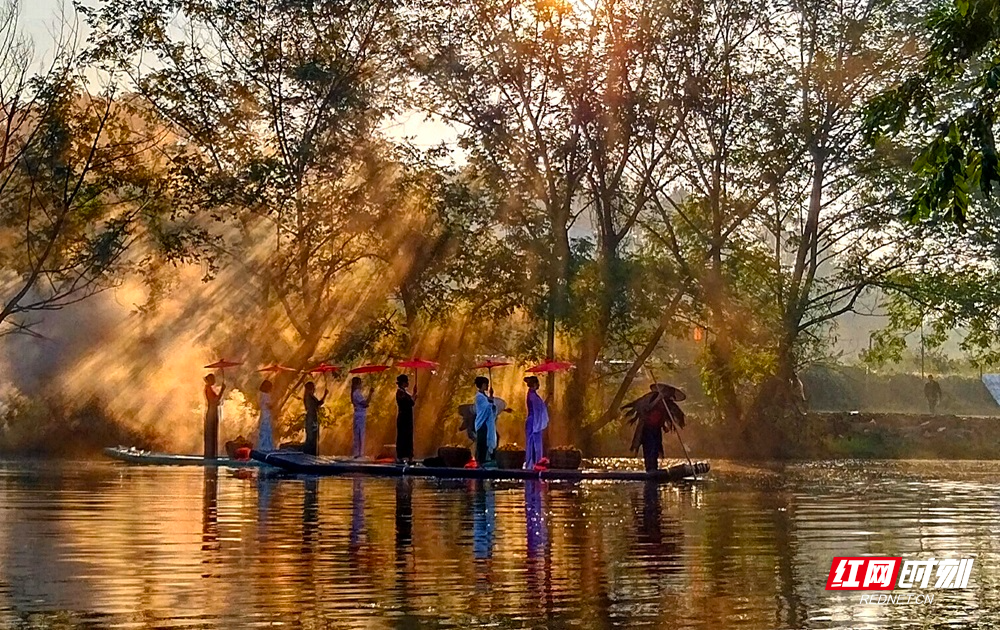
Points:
(947, 107)
(276, 110)
(566, 111)
(495, 76)
(833, 218)
(74, 182)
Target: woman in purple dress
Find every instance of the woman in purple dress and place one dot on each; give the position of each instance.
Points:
(536, 423)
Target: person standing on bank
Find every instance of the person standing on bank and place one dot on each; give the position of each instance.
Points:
(932, 392)
(213, 401)
(360, 403)
(534, 424)
(312, 405)
(486, 421)
(404, 419)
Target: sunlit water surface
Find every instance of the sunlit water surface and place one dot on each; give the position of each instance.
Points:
(103, 545)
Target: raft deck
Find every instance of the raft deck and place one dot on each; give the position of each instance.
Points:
(150, 458)
(300, 463)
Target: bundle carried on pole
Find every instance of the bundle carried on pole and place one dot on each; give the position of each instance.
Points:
(638, 410)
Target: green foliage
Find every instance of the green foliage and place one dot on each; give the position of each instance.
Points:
(946, 107)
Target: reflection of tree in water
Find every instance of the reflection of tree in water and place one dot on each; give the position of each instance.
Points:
(741, 550)
(580, 554)
(790, 605)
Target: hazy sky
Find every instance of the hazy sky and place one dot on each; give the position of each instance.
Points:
(40, 19)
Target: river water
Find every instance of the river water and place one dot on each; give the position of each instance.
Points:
(104, 545)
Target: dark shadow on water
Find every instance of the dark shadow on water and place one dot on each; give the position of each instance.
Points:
(660, 537)
(357, 513)
(404, 516)
(310, 513)
(210, 515)
(405, 561)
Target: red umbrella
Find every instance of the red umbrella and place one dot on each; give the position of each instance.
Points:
(551, 366)
(369, 369)
(324, 368)
(417, 364)
(276, 368)
(222, 364)
(489, 365)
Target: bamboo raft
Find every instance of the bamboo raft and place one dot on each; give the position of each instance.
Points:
(133, 455)
(302, 464)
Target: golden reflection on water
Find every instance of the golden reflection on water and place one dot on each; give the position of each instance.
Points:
(105, 545)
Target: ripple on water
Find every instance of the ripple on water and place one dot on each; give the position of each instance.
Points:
(107, 546)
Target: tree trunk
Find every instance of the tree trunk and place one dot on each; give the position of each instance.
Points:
(614, 409)
(591, 346)
(558, 304)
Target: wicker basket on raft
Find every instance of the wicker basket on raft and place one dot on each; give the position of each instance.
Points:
(565, 457)
(510, 456)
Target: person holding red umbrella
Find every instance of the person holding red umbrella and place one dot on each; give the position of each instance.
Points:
(213, 400)
(265, 426)
(312, 405)
(535, 424)
(486, 421)
(265, 431)
(360, 403)
(404, 419)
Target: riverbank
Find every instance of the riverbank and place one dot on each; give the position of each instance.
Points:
(869, 435)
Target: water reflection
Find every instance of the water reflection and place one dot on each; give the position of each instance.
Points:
(265, 490)
(114, 547)
(663, 548)
(210, 512)
(534, 519)
(357, 513)
(484, 518)
(310, 513)
(404, 513)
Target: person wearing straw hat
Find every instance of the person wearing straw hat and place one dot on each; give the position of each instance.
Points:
(536, 422)
(653, 413)
(212, 402)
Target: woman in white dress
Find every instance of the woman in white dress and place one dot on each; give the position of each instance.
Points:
(265, 441)
(360, 403)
